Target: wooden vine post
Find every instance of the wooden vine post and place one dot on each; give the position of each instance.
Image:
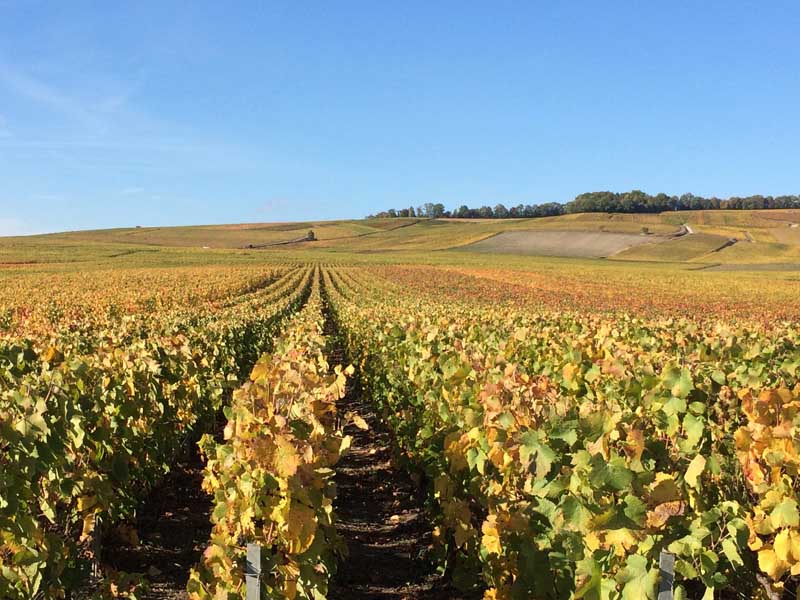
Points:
(252, 572)
(666, 575)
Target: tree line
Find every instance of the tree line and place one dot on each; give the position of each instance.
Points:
(634, 201)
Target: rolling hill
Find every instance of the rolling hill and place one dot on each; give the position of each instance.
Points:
(705, 238)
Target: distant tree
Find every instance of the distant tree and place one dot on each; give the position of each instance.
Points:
(549, 209)
(462, 212)
(787, 202)
(310, 236)
(515, 212)
(734, 203)
(685, 201)
(660, 203)
(754, 202)
(592, 202)
(634, 201)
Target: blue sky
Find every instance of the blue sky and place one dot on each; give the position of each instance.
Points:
(169, 113)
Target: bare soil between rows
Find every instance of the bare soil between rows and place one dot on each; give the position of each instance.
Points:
(380, 514)
(173, 525)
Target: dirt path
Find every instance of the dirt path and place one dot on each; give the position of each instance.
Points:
(381, 517)
(173, 527)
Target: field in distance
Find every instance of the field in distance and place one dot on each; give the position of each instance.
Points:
(709, 239)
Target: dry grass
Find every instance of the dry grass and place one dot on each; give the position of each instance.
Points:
(680, 249)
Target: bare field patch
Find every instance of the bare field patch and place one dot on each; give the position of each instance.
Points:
(583, 244)
(679, 249)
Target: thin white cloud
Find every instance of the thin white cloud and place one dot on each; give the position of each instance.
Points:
(97, 103)
(114, 133)
(151, 154)
(40, 92)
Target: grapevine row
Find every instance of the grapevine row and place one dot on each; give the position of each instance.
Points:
(271, 478)
(88, 427)
(565, 452)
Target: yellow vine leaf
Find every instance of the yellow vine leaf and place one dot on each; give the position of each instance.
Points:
(300, 527)
(782, 546)
(88, 527)
(769, 562)
(86, 502)
(286, 458)
(694, 470)
(491, 536)
(359, 422)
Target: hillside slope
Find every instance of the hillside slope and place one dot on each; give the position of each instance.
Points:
(232, 236)
(716, 237)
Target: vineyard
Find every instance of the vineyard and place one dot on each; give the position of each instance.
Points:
(561, 438)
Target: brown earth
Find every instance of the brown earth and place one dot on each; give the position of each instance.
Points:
(584, 244)
(173, 526)
(380, 514)
(381, 517)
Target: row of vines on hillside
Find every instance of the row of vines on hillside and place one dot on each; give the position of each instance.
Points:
(271, 478)
(94, 411)
(566, 451)
(47, 304)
